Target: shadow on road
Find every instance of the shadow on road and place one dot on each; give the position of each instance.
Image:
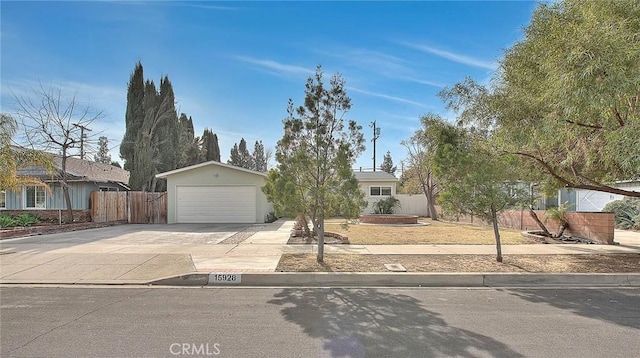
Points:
(618, 306)
(367, 322)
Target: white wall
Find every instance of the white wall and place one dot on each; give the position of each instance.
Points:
(593, 201)
(415, 204)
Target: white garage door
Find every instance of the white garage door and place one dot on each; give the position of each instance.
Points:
(216, 204)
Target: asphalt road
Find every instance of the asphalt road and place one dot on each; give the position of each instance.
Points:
(331, 322)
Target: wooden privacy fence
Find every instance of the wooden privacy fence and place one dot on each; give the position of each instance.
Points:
(134, 207)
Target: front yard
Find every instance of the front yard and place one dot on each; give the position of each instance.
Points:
(613, 263)
(436, 232)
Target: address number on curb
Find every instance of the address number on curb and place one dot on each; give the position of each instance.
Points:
(215, 278)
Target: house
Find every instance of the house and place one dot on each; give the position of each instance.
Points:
(376, 186)
(594, 201)
(584, 200)
(213, 192)
(84, 177)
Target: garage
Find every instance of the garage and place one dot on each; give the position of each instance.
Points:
(216, 204)
(215, 193)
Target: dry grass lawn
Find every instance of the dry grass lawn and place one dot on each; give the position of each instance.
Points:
(436, 232)
(604, 263)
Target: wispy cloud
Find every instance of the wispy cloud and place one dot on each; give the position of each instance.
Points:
(276, 68)
(380, 63)
(463, 59)
(388, 97)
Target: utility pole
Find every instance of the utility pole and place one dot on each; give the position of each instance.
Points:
(82, 137)
(376, 135)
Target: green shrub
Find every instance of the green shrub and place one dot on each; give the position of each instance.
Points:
(26, 219)
(6, 220)
(386, 206)
(627, 213)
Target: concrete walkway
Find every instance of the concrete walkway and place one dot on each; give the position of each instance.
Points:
(120, 261)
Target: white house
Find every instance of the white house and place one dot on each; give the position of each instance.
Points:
(594, 201)
(376, 186)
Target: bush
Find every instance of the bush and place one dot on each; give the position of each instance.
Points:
(6, 220)
(386, 206)
(627, 213)
(270, 217)
(26, 219)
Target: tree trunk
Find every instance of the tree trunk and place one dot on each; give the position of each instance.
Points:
(65, 187)
(540, 224)
(496, 233)
(431, 205)
(320, 233)
(67, 200)
(564, 226)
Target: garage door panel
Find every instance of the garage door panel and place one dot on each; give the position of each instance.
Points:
(216, 204)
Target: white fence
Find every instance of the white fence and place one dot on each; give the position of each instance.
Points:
(412, 204)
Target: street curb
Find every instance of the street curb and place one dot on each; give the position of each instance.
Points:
(361, 279)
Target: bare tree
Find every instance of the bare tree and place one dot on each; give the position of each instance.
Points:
(421, 153)
(419, 173)
(57, 124)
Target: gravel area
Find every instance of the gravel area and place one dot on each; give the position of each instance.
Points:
(238, 237)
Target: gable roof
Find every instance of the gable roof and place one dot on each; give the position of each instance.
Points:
(375, 176)
(77, 170)
(92, 171)
(212, 162)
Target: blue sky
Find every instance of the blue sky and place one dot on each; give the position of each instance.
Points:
(234, 65)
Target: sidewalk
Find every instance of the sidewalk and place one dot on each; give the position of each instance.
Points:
(118, 263)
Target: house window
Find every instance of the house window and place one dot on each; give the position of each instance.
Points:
(3, 199)
(380, 191)
(35, 197)
(105, 188)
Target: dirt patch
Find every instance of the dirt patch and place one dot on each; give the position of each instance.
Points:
(11, 233)
(437, 232)
(601, 263)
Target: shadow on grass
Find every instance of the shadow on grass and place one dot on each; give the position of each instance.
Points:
(370, 323)
(618, 306)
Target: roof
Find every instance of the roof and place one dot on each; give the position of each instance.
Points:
(212, 162)
(375, 176)
(92, 171)
(77, 170)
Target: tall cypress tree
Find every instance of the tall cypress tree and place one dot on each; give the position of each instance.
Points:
(166, 134)
(134, 115)
(240, 156)
(188, 144)
(259, 157)
(210, 147)
(142, 168)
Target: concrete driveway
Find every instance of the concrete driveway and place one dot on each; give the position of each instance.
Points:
(140, 234)
(138, 253)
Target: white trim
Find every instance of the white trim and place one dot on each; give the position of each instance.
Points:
(176, 171)
(380, 187)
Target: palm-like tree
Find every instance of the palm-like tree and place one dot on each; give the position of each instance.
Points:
(13, 158)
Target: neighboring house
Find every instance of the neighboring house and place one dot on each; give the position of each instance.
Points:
(83, 177)
(594, 201)
(213, 192)
(376, 186)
